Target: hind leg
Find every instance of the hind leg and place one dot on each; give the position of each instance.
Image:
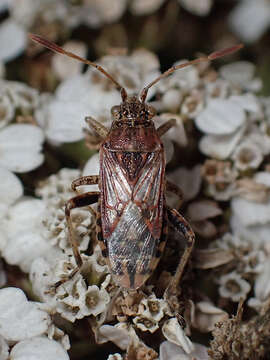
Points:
(182, 226)
(74, 203)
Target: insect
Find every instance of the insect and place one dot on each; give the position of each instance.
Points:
(132, 217)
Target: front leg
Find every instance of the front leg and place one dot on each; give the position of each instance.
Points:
(182, 226)
(74, 203)
(85, 180)
(166, 127)
(101, 132)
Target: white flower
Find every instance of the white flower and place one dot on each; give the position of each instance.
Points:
(43, 276)
(115, 356)
(65, 120)
(23, 98)
(205, 315)
(232, 286)
(203, 209)
(220, 146)
(250, 19)
(56, 191)
(145, 324)
(54, 333)
(98, 262)
(56, 225)
(220, 117)
(97, 12)
(16, 97)
(12, 39)
(26, 12)
(20, 319)
(120, 334)
(11, 190)
(171, 100)
(39, 348)
(189, 181)
(217, 89)
(247, 156)
(24, 233)
(250, 213)
(20, 147)
(170, 351)
(96, 301)
(250, 103)
(153, 308)
(193, 104)
(258, 233)
(240, 74)
(145, 7)
(175, 334)
(197, 7)
(58, 186)
(75, 300)
(71, 298)
(151, 311)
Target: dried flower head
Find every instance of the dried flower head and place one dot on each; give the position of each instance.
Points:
(233, 286)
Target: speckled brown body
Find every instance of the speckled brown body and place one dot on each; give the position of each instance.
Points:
(131, 203)
(132, 170)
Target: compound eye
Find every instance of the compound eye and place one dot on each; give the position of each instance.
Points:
(115, 111)
(151, 111)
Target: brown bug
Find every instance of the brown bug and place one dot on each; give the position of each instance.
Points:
(133, 217)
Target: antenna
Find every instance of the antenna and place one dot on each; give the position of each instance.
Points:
(212, 56)
(52, 46)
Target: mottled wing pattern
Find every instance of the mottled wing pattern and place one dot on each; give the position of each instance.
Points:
(132, 213)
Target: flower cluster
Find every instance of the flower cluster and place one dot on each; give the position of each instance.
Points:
(32, 334)
(220, 121)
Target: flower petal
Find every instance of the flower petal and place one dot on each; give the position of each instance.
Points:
(39, 348)
(66, 120)
(20, 147)
(220, 117)
(175, 334)
(250, 19)
(250, 213)
(197, 7)
(12, 39)
(11, 188)
(19, 318)
(145, 7)
(220, 146)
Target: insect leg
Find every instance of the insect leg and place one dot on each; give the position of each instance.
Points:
(166, 127)
(76, 202)
(84, 180)
(171, 187)
(93, 141)
(100, 129)
(182, 226)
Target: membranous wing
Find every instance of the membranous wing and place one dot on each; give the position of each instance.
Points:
(132, 212)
